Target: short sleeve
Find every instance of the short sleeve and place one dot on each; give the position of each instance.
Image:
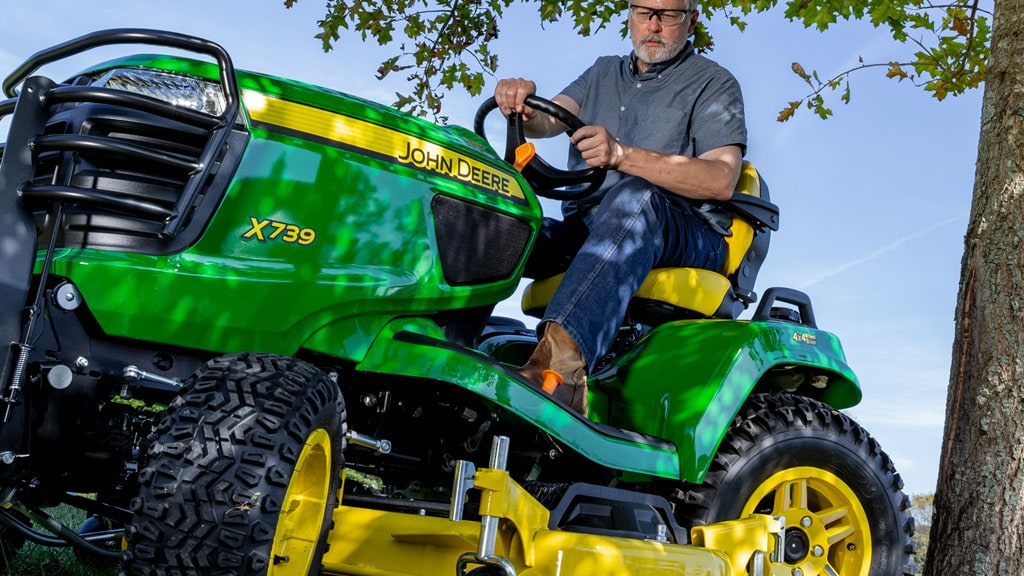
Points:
(718, 118)
(577, 89)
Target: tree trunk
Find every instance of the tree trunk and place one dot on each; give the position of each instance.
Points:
(979, 501)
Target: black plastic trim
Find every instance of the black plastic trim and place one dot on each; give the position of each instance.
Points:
(615, 497)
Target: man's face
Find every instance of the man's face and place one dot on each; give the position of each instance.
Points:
(657, 36)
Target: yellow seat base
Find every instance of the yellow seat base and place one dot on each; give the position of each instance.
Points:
(690, 288)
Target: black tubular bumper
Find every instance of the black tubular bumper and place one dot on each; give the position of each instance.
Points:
(26, 188)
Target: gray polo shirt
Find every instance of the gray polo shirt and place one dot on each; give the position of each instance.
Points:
(687, 106)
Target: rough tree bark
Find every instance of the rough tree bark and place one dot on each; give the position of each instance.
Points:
(978, 526)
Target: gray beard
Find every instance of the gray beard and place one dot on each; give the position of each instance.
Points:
(667, 52)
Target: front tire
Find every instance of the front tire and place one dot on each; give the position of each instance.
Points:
(838, 491)
(243, 476)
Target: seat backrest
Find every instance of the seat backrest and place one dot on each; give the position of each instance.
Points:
(748, 244)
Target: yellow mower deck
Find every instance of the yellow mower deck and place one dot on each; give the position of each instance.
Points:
(514, 539)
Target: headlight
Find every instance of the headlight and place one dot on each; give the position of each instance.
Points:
(186, 91)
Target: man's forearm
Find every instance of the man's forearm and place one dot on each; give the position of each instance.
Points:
(711, 177)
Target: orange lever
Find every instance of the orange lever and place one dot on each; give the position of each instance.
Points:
(552, 380)
(524, 153)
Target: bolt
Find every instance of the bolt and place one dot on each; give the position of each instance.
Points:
(851, 547)
(81, 362)
(798, 572)
(280, 559)
(69, 296)
(805, 521)
(818, 551)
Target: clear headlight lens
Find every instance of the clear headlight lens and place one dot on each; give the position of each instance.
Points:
(186, 91)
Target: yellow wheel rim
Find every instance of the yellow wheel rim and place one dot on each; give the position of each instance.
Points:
(827, 530)
(303, 509)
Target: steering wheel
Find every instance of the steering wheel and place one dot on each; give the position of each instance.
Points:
(545, 179)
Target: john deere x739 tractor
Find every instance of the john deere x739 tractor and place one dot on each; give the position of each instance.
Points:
(246, 326)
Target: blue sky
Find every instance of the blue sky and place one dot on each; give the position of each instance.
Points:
(874, 201)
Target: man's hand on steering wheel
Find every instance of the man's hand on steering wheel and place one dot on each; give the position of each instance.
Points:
(546, 180)
(598, 147)
(510, 95)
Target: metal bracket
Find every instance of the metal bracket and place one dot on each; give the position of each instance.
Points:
(382, 446)
(464, 472)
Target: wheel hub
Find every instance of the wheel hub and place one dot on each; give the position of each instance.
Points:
(797, 545)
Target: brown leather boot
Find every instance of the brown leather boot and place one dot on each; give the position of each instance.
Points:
(558, 352)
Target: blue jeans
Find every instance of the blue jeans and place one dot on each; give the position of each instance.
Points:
(636, 228)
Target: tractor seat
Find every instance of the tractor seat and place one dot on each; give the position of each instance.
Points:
(675, 293)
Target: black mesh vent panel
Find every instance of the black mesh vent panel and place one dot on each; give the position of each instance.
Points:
(477, 245)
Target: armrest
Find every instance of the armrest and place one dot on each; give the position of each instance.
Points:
(759, 212)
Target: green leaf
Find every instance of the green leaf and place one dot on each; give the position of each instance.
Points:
(446, 43)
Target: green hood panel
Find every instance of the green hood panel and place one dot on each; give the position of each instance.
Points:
(341, 215)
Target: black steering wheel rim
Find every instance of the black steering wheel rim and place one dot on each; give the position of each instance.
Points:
(545, 179)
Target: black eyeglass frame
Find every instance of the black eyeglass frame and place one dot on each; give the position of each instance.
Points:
(657, 12)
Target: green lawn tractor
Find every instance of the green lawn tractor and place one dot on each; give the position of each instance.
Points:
(248, 328)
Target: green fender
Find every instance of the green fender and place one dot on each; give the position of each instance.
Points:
(674, 395)
(416, 348)
(687, 380)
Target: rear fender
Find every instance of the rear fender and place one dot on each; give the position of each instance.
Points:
(687, 380)
(416, 348)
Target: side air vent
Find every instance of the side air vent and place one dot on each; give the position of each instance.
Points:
(477, 245)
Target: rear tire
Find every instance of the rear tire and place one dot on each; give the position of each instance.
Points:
(243, 476)
(839, 492)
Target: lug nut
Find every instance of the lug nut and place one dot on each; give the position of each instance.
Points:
(805, 521)
(818, 551)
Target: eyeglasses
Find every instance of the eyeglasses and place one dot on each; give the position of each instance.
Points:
(665, 17)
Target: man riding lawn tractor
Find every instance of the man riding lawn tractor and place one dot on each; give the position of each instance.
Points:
(261, 342)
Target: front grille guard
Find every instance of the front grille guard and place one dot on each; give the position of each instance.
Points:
(31, 110)
(27, 140)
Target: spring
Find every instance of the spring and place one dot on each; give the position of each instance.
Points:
(15, 387)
